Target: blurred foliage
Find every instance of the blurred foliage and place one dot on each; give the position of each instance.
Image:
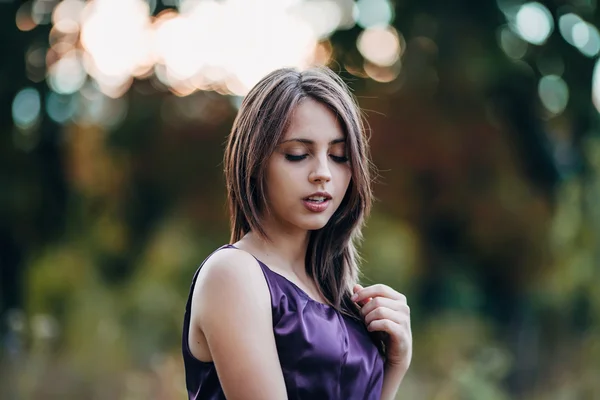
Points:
(491, 232)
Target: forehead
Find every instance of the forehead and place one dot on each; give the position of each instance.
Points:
(314, 121)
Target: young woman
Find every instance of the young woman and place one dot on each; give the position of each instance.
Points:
(278, 314)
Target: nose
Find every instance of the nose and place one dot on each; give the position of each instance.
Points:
(320, 172)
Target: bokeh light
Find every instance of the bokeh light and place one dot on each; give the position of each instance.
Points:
(586, 38)
(67, 75)
(381, 74)
(596, 86)
(26, 108)
(24, 19)
(347, 14)
(36, 63)
(67, 14)
(566, 23)
(580, 34)
(41, 11)
(324, 17)
(534, 23)
(115, 52)
(380, 45)
(554, 93)
(225, 46)
(370, 13)
(61, 108)
(511, 43)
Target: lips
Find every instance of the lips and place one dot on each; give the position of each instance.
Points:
(318, 197)
(317, 202)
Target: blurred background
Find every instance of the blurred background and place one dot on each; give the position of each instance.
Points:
(484, 126)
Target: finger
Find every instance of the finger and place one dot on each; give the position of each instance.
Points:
(384, 302)
(358, 288)
(384, 325)
(377, 290)
(386, 313)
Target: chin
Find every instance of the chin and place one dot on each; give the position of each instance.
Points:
(315, 223)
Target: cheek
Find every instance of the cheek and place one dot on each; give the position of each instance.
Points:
(343, 177)
(281, 180)
(285, 176)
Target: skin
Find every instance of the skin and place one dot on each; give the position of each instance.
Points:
(386, 310)
(311, 157)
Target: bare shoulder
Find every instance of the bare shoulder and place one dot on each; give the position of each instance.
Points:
(231, 310)
(229, 261)
(232, 275)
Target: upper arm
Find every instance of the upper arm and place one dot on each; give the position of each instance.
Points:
(232, 307)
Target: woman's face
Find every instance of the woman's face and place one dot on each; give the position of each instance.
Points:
(308, 174)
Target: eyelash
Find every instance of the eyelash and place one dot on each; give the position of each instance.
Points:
(294, 158)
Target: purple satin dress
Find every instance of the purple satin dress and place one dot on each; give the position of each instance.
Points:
(323, 354)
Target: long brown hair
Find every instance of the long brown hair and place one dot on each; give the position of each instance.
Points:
(331, 256)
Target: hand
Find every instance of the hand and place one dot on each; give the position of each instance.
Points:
(385, 310)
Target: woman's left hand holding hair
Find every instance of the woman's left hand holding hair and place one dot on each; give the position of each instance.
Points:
(386, 310)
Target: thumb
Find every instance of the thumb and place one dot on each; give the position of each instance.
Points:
(356, 288)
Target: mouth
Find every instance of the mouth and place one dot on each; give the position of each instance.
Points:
(317, 202)
(319, 197)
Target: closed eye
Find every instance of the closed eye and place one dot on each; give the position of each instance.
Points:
(292, 157)
(296, 158)
(339, 159)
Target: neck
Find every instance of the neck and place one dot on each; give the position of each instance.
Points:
(285, 248)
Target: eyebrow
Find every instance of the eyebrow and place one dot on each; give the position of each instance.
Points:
(311, 142)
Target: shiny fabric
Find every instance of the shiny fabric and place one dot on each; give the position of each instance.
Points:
(323, 354)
